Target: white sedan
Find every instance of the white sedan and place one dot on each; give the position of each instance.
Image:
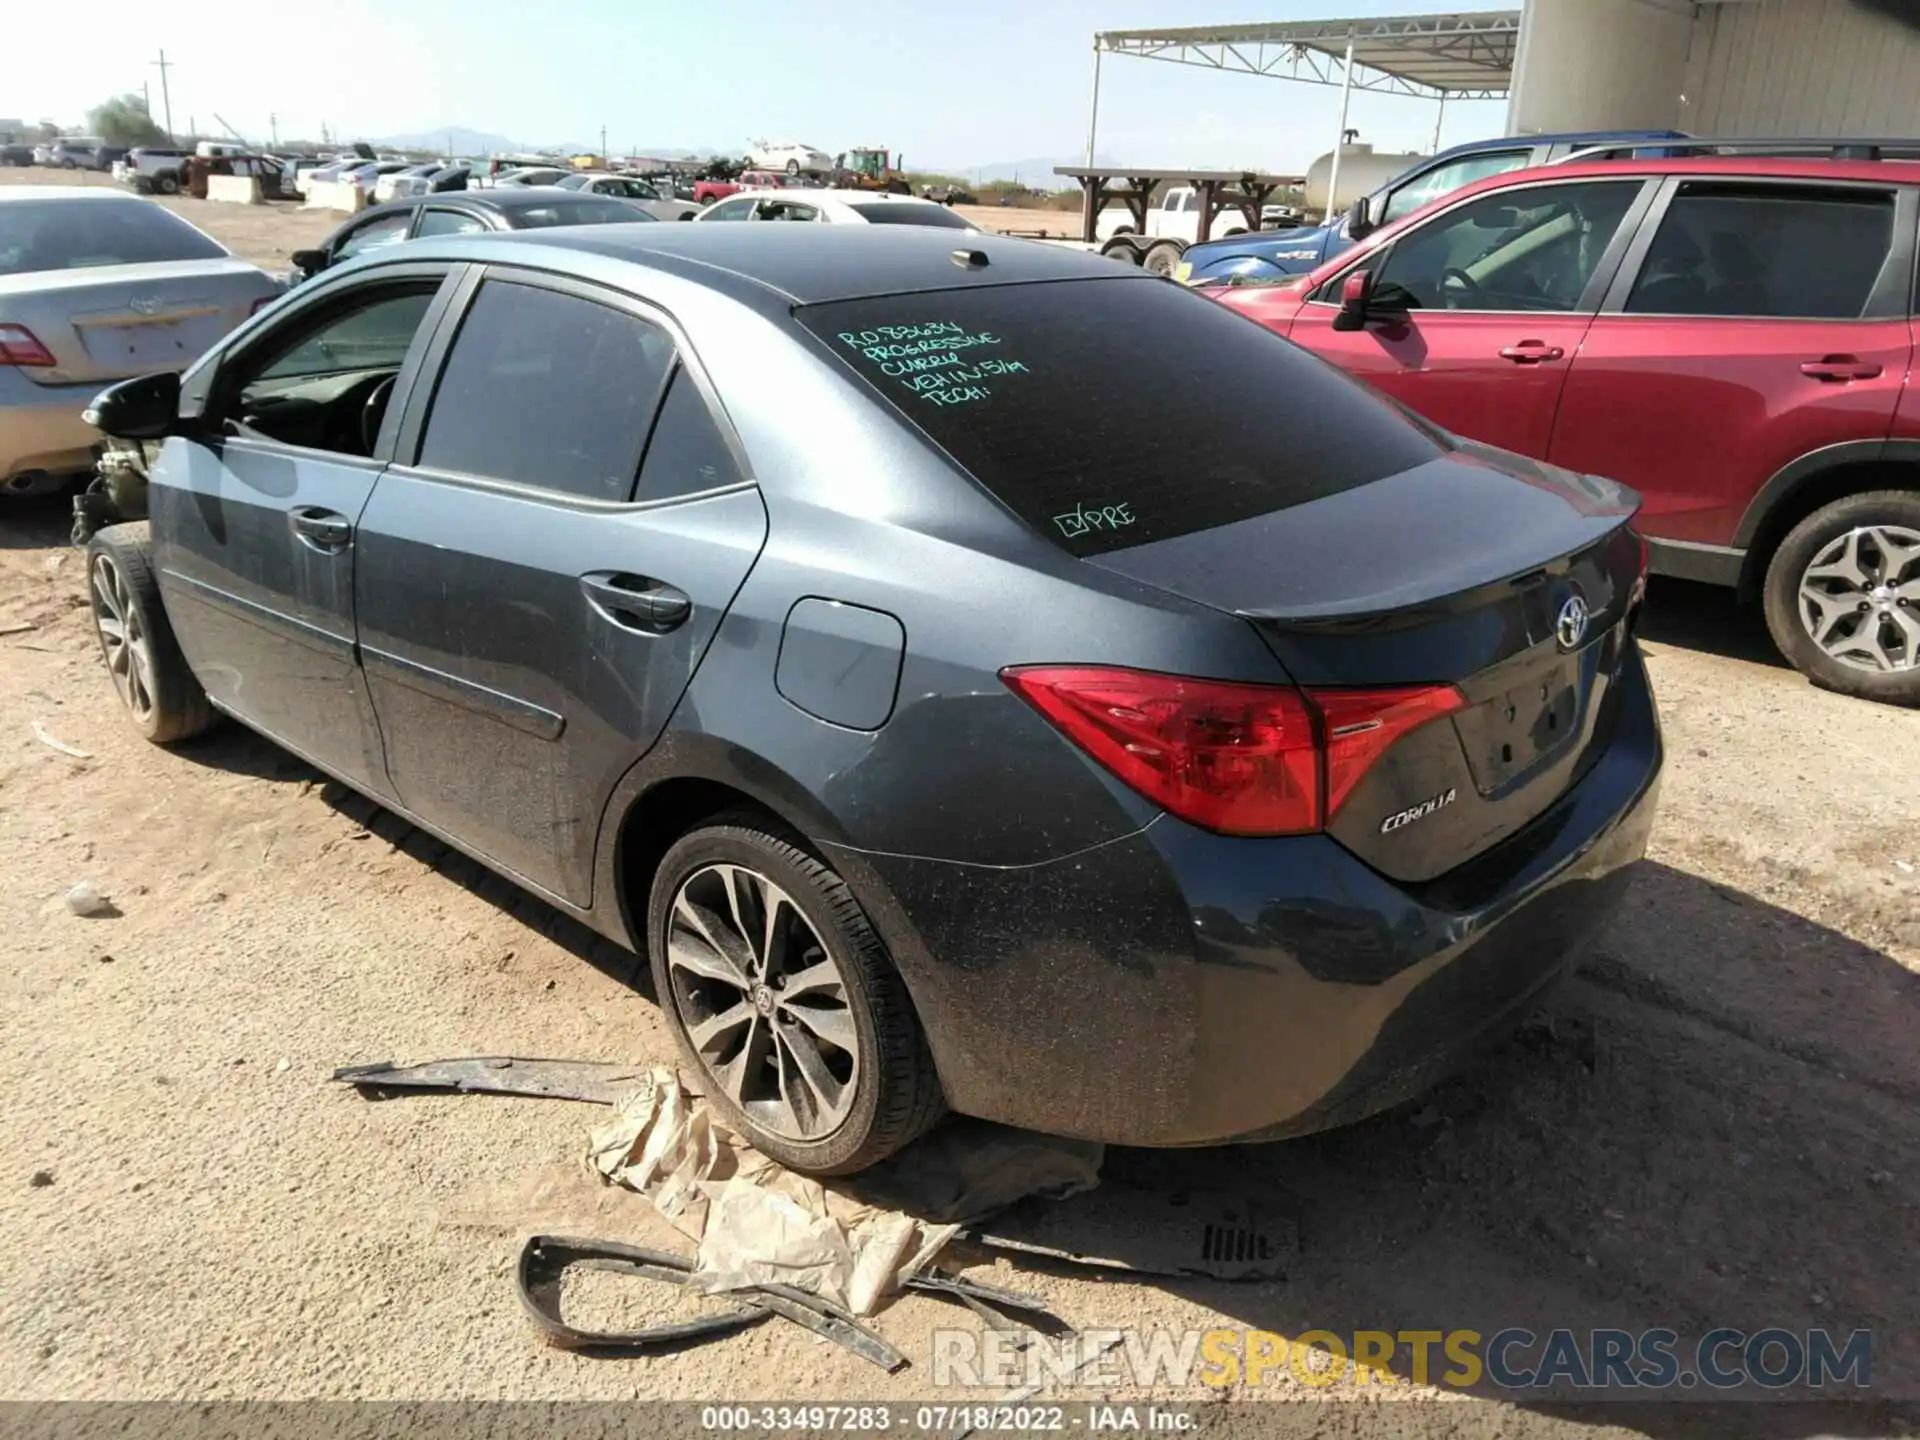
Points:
(630, 187)
(790, 156)
(834, 207)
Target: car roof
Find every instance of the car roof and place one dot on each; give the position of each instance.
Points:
(1776, 167)
(812, 264)
(1563, 137)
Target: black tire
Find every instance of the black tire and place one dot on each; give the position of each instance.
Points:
(175, 707)
(896, 1094)
(1121, 250)
(1802, 547)
(1162, 258)
(166, 183)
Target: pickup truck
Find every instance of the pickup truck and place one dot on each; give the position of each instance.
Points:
(1272, 256)
(155, 168)
(1173, 224)
(705, 192)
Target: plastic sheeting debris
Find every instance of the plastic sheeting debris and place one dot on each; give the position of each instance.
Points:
(855, 1242)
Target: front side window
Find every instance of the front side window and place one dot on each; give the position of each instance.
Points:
(374, 235)
(1445, 179)
(547, 389)
(730, 210)
(787, 210)
(1531, 249)
(322, 382)
(1795, 252)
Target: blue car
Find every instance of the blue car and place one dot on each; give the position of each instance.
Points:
(1273, 255)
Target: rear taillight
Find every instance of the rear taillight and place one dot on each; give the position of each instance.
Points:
(1362, 725)
(1238, 759)
(20, 346)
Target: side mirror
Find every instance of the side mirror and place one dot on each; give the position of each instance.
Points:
(1360, 219)
(1356, 293)
(146, 407)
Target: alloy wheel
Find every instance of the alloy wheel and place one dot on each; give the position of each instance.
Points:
(1860, 598)
(123, 638)
(763, 1001)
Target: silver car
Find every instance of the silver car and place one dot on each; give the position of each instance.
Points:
(96, 286)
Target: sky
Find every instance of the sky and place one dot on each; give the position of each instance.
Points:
(948, 86)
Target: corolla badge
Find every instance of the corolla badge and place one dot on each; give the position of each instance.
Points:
(145, 304)
(1570, 628)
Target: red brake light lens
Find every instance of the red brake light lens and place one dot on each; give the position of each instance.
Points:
(1240, 759)
(1362, 725)
(1237, 759)
(20, 346)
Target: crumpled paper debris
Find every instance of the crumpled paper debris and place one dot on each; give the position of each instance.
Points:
(755, 1222)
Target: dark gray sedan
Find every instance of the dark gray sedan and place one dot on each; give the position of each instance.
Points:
(982, 678)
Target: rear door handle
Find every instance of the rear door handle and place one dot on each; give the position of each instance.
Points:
(1838, 369)
(323, 529)
(634, 602)
(1531, 352)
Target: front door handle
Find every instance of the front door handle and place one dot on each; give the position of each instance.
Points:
(634, 602)
(323, 529)
(1838, 369)
(1531, 352)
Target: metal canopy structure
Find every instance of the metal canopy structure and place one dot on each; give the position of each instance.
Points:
(1462, 57)
(1465, 56)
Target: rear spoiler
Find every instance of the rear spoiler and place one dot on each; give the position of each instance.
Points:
(1825, 147)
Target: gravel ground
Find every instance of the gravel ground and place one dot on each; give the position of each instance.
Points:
(1714, 1124)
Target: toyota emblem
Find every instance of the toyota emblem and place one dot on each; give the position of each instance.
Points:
(145, 304)
(1570, 628)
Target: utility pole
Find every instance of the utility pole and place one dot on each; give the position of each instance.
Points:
(166, 99)
(146, 99)
(273, 125)
(603, 144)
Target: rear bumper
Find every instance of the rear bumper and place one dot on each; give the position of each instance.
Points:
(41, 428)
(1179, 988)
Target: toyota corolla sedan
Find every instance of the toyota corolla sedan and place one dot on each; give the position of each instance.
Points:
(96, 285)
(963, 700)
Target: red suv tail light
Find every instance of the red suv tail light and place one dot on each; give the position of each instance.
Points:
(20, 346)
(1238, 759)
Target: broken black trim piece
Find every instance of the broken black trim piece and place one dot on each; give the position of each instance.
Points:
(595, 1082)
(544, 1258)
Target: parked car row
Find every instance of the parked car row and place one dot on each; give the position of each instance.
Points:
(1729, 333)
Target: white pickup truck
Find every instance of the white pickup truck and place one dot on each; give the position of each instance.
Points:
(152, 168)
(1172, 224)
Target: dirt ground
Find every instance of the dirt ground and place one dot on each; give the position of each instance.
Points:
(188, 1209)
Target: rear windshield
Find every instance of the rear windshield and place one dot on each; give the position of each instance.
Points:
(880, 213)
(1111, 413)
(74, 234)
(584, 211)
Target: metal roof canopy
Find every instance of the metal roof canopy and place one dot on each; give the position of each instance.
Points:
(1463, 56)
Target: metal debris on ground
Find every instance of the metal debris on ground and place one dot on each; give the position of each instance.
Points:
(594, 1082)
(1220, 1234)
(53, 742)
(18, 627)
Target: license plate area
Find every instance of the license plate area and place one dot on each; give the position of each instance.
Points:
(1530, 722)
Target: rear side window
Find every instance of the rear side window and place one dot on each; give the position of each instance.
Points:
(38, 235)
(1111, 413)
(687, 453)
(1787, 252)
(547, 389)
(587, 210)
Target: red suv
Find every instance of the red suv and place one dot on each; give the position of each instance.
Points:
(1730, 336)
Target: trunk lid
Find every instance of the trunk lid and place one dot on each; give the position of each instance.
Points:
(110, 322)
(1514, 582)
